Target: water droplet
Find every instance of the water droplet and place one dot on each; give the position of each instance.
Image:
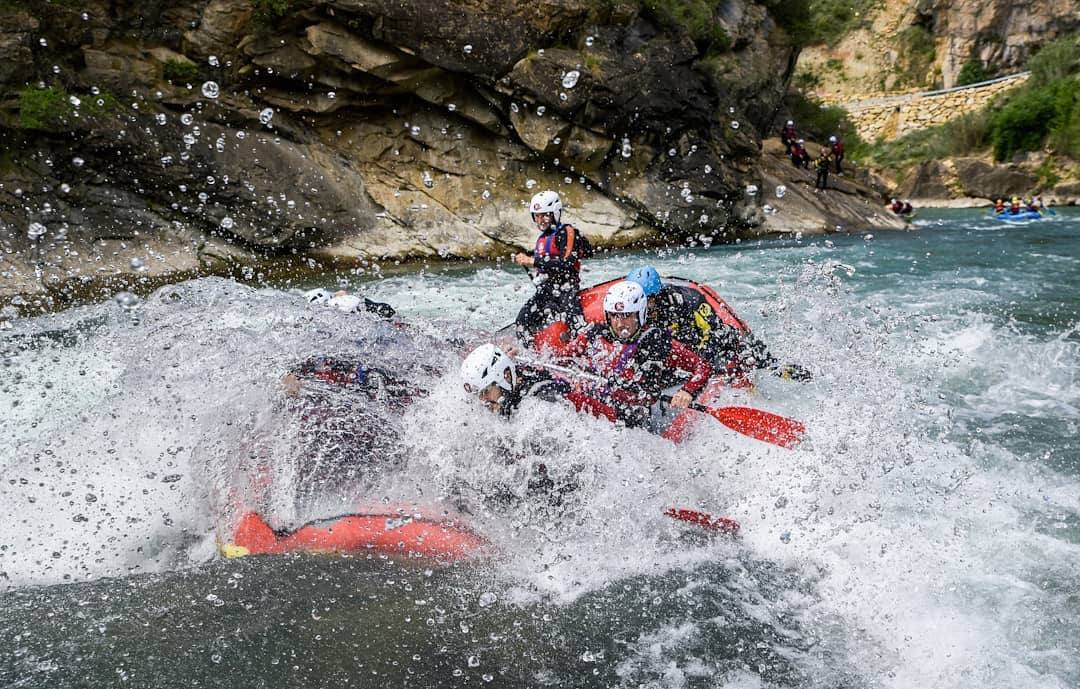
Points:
(215, 658)
(486, 194)
(213, 60)
(563, 96)
(684, 192)
(43, 42)
(161, 118)
(540, 111)
(74, 100)
(487, 677)
(266, 115)
(474, 661)
(428, 181)
(85, 17)
(331, 95)
(77, 161)
(95, 90)
(751, 190)
(467, 49)
(627, 149)
(867, 237)
(487, 598)
(570, 79)
(734, 124)
(414, 130)
(451, 107)
(35, 230)
(126, 300)
(708, 169)
(589, 40)
(672, 153)
(189, 139)
(588, 657)
(530, 183)
(65, 188)
(137, 264)
(186, 119)
(241, 135)
(220, 145)
(786, 537)
(227, 223)
(56, 69)
(166, 160)
(780, 191)
(210, 89)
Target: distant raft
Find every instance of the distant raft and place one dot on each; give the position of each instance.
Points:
(1022, 216)
(398, 535)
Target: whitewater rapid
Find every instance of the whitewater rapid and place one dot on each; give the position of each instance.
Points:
(925, 534)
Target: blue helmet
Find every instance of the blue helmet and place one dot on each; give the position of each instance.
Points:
(648, 278)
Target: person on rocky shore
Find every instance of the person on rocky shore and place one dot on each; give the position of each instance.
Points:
(555, 265)
(822, 163)
(788, 136)
(800, 157)
(836, 145)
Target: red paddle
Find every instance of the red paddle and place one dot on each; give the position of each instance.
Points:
(704, 520)
(756, 423)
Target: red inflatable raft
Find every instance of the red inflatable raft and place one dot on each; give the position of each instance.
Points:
(592, 303)
(385, 534)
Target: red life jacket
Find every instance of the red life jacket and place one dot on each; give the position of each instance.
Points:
(547, 244)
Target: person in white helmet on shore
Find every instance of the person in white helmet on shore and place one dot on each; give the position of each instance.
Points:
(555, 264)
(635, 360)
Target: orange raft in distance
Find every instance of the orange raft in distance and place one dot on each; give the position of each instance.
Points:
(394, 535)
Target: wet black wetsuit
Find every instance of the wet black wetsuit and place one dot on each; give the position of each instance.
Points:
(535, 382)
(557, 263)
(693, 322)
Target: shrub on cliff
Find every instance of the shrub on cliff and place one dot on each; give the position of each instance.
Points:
(818, 122)
(1055, 60)
(1046, 110)
(696, 17)
(972, 72)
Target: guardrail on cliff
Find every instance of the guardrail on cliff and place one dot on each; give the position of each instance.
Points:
(889, 117)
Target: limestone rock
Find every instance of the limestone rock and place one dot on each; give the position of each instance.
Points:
(984, 180)
(16, 58)
(220, 28)
(483, 37)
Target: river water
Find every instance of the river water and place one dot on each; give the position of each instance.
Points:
(926, 534)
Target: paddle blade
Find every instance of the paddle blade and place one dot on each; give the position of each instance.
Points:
(759, 424)
(704, 520)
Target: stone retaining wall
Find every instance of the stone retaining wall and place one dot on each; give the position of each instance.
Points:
(891, 117)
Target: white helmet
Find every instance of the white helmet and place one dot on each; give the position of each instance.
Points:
(349, 303)
(317, 296)
(626, 297)
(832, 139)
(485, 365)
(547, 202)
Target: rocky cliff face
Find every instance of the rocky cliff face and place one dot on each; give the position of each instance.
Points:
(1002, 35)
(153, 139)
(886, 52)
